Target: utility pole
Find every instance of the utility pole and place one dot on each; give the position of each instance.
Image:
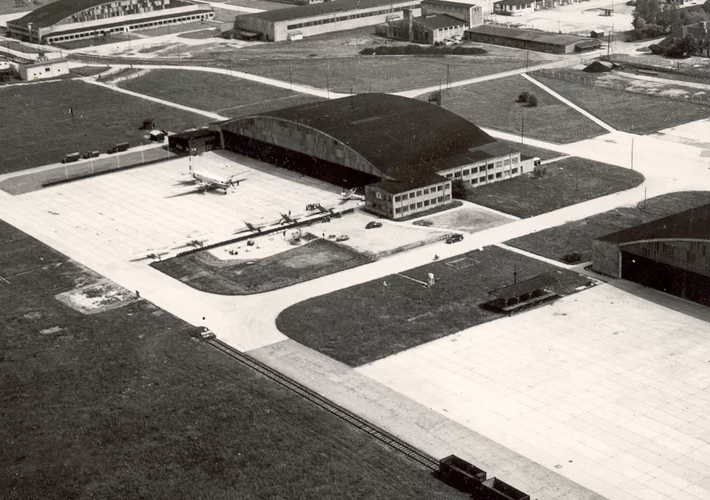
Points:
(644, 198)
(515, 274)
(522, 126)
(527, 60)
(290, 78)
(448, 77)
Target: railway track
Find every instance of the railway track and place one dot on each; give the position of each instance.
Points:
(380, 434)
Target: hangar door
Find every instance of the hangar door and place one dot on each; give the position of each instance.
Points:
(324, 170)
(666, 278)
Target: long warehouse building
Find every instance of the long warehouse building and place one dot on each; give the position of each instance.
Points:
(69, 20)
(314, 19)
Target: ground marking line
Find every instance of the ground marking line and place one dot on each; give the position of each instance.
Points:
(413, 279)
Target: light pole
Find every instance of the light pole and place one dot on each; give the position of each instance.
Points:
(522, 125)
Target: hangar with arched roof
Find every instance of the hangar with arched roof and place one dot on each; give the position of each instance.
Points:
(69, 20)
(405, 152)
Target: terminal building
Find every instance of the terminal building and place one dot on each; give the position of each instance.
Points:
(69, 20)
(671, 254)
(405, 152)
(297, 22)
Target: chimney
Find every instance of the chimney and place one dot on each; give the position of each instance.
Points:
(409, 22)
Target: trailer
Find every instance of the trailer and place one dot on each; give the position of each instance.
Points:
(71, 157)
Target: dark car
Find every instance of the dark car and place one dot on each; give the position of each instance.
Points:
(454, 238)
(373, 224)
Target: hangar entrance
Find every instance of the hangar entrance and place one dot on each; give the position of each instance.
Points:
(304, 164)
(666, 278)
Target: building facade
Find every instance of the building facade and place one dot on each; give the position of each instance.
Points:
(514, 7)
(41, 69)
(439, 20)
(315, 19)
(387, 200)
(671, 254)
(540, 41)
(68, 20)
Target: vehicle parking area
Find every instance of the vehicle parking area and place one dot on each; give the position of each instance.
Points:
(609, 387)
(129, 214)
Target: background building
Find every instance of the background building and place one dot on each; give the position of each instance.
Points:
(541, 41)
(514, 7)
(308, 20)
(66, 20)
(405, 152)
(671, 254)
(439, 20)
(41, 69)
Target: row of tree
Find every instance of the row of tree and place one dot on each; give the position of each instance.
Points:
(653, 18)
(682, 47)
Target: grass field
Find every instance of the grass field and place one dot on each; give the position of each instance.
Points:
(383, 320)
(567, 182)
(577, 236)
(532, 151)
(205, 272)
(493, 104)
(209, 91)
(628, 111)
(40, 130)
(378, 73)
(123, 404)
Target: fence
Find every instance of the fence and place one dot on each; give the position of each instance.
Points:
(698, 97)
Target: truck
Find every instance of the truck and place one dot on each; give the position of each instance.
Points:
(121, 146)
(71, 157)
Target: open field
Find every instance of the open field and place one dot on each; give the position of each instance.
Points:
(382, 320)
(577, 236)
(123, 404)
(628, 111)
(101, 118)
(493, 104)
(567, 182)
(365, 73)
(244, 276)
(205, 91)
(468, 218)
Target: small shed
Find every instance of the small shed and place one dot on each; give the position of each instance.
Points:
(597, 34)
(194, 141)
(522, 295)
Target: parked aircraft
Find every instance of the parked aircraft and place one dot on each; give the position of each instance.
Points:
(286, 219)
(252, 227)
(205, 181)
(350, 195)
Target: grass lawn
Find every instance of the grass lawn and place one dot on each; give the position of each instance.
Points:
(493, 104)
(629, 111)
(577, 236)
(123, 404)
(39, 129)
(202, 90)
(567, 182)
(383, 320)
(203, 271)
(469, 218)
(378, 73)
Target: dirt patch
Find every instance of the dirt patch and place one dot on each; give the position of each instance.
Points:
(96, 297)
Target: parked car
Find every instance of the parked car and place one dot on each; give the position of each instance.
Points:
(90, 154)
(373, 225)
(342, 237)
(71, 157)
(448, 42)
(457, 38)
(454, 238)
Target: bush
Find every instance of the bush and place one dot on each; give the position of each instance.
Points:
(367, 52)
(523, 97)
(657, 49)
(572, 258)
(539, 171)
(459, 189)
(532, 101)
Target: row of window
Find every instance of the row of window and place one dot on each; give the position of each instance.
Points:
(346, 18)
(422, 204)
(415, 194)
(100, 31)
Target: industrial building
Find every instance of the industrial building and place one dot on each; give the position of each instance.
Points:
(314, 19)
(514, 7)
(405, 152)
(671, 254)
(439, 20)
(43, 68)
(541, 41)
(68, 20)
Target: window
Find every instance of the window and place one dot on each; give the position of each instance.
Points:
(457, 174)
(419, 204)
(405, 196)
(447, 197)
(379, 196)
(514, 171)
(515, 160)
(466, 172)
(490, 177)
(412, 206)
(426, 203)
(439, 188)
(440, 199)
(474, 181)
(397, 198)
(46, 70)
(506, 162)
(499, 164)
(490, 165)
(419, 193)
(405, 209)
(499, 175)
(426, 191)
(397, 210)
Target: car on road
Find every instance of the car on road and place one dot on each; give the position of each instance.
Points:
(373, 225)
(454, 238)
(448, 42)
(342, 237)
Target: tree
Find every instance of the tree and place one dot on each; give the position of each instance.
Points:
(523, 97)
(459, 190)
(532, 101)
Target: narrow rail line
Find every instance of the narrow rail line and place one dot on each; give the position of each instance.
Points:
(329, 406)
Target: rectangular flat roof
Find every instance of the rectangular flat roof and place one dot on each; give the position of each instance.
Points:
(439, 21)
(319, 9)
(526, 35)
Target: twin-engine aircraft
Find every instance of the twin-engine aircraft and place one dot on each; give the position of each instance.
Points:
(350, 195)
(204, 181)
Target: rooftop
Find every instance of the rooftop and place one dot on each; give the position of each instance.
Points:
(405, 139)
(52, 13)
(691, 224)
(439, 21)
(319, 9)
(528, 35)
(521, 288)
